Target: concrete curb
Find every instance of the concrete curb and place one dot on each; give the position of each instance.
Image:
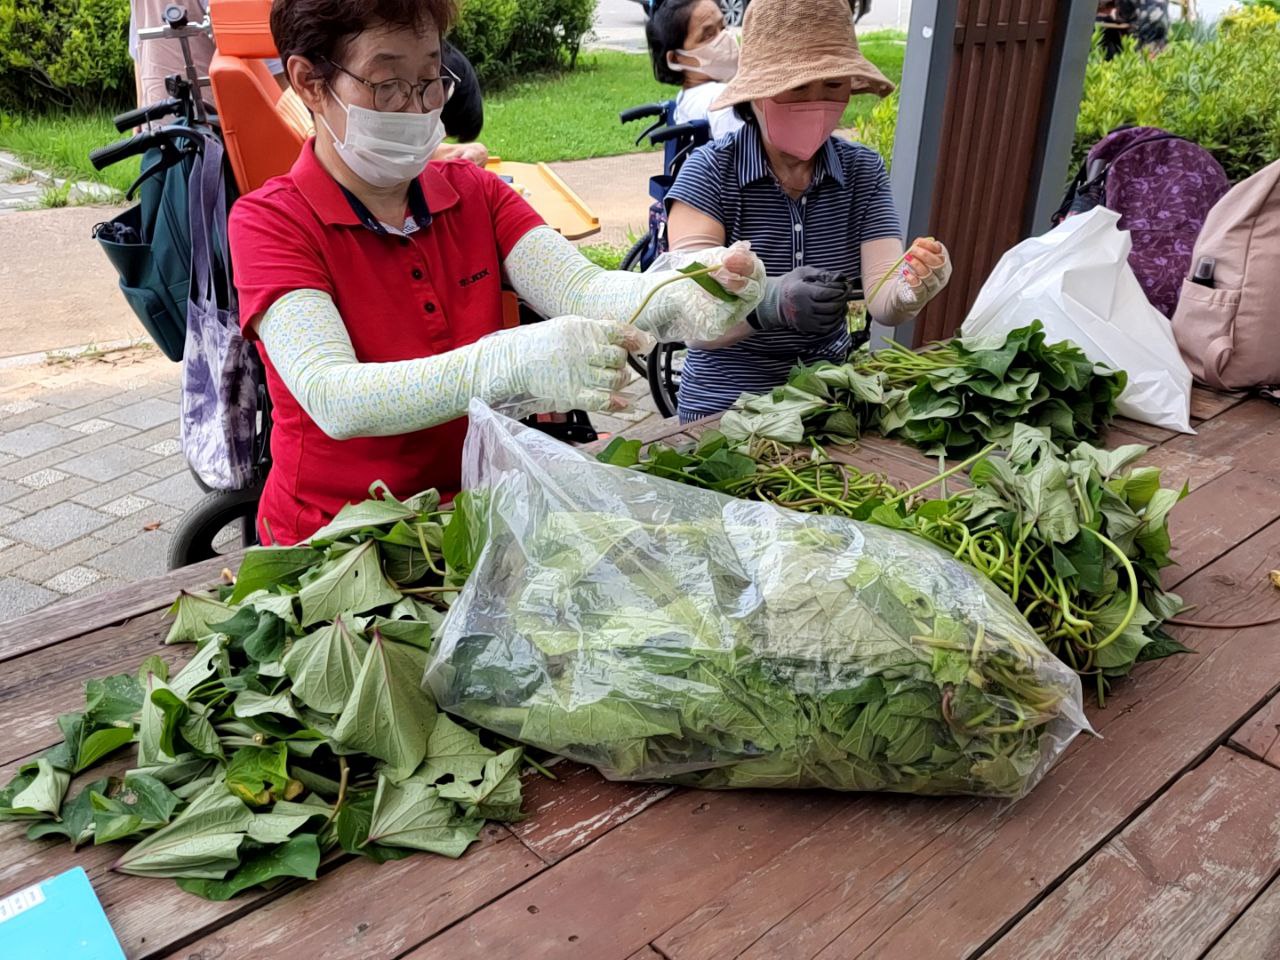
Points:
(81, 190)
(68, 353)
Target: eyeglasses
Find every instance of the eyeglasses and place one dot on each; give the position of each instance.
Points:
(393, 96)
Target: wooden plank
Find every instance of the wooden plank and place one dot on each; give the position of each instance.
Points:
(35, 688)
(79, 615)
(646, 953)
(874, 461)
(565, 815)
(1144, 431)
(1207, 404)
(1178, 467)
(880, 833)
(609, 900)
(1256, 934)
(1260, 735)
(1216, 517)
(1156, 724)
(1249, 436)
(358, 911)
(1170, 884)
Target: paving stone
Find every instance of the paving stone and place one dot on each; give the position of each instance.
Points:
(93, 411)
(80, 396)
(43, 565)
(146, 414)
(10, 490)
(179, 490)
(36, 438)
(108, 462)
(17, 597)
(166, 433)
(126, 506)
(167, 467)
(136, 526)
(102, 493)
(107, 438)
(18, 406)
(141, 556)
(24, 466)
(166, 448)
(12, 422)
(103, 585)
(8, 515)
(5, 542)
(93, 425)
(57, 525)
(48, 496)
(72, 580)
(40, 479)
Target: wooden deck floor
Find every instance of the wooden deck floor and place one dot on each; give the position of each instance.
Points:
(1161, 838)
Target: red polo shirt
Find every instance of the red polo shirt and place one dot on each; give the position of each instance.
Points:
(401, 298)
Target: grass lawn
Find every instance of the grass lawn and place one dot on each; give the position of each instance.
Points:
(566, 117)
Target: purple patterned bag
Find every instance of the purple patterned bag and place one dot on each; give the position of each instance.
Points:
(1163, 186)
(219, 367)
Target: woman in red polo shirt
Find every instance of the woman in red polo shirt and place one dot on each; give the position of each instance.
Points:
(373, 281)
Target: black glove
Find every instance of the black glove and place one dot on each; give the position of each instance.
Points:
(806, 300)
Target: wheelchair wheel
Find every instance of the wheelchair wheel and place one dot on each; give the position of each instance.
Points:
(664, 366)
(636, 361)
(222, 522)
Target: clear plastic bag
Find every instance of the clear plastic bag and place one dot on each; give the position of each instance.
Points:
(661, 632)
(684, 311)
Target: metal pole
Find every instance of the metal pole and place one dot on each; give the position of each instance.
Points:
(922, 102)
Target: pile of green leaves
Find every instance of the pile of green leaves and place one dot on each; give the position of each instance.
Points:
(951, 397)
(298, 726)
(1076, 540)
(722, 649)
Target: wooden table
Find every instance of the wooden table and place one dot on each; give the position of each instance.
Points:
(1162, 839)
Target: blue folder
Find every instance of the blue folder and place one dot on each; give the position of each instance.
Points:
(58, 919)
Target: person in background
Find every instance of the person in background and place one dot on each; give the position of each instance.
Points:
(691, 49)
(1146, 20)
(816, 209)
(156, 60)
(373, 280)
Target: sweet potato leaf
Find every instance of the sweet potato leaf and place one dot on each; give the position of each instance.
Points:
(297, 857)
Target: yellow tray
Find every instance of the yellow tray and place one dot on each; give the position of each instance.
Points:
(555, 202)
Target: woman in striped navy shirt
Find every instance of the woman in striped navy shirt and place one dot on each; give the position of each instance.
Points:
(817, 210)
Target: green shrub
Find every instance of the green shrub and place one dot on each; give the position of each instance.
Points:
(64, 53)
(60, 54)
(1222, 91)
(506, 39)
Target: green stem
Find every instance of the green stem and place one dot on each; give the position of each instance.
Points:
(692, 275)
(940, 478)
(1133, 593)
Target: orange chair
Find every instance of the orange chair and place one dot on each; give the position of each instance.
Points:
(262, 128)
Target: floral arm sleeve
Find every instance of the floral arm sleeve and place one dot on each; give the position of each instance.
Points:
(561, 364)
(549, 274)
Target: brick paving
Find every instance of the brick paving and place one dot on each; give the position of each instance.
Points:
(92, 479)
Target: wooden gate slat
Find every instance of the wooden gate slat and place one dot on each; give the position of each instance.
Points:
(1171, 883)
(1256, 934)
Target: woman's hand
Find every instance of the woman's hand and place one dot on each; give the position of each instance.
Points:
(569, 363)
(806, 300)
(679, 309)
(927, 268)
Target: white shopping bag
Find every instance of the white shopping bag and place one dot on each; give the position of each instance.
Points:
(1077, 281)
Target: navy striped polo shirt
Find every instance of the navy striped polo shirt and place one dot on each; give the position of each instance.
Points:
(847, 204)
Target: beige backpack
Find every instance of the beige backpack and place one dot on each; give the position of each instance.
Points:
(1228, 319)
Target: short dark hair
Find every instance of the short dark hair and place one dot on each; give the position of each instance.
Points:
(744, 112)
(320, 29)
(666, 31)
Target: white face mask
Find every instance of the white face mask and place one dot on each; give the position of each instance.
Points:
(385, 149)
(717, 59)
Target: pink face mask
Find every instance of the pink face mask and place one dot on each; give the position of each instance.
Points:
(800, 129)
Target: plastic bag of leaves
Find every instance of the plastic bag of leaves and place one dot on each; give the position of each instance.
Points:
(661, 632)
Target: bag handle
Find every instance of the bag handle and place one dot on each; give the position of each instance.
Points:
(1214, 361)
(207, 215)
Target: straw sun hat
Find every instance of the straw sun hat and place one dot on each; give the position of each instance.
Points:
(788, 43)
